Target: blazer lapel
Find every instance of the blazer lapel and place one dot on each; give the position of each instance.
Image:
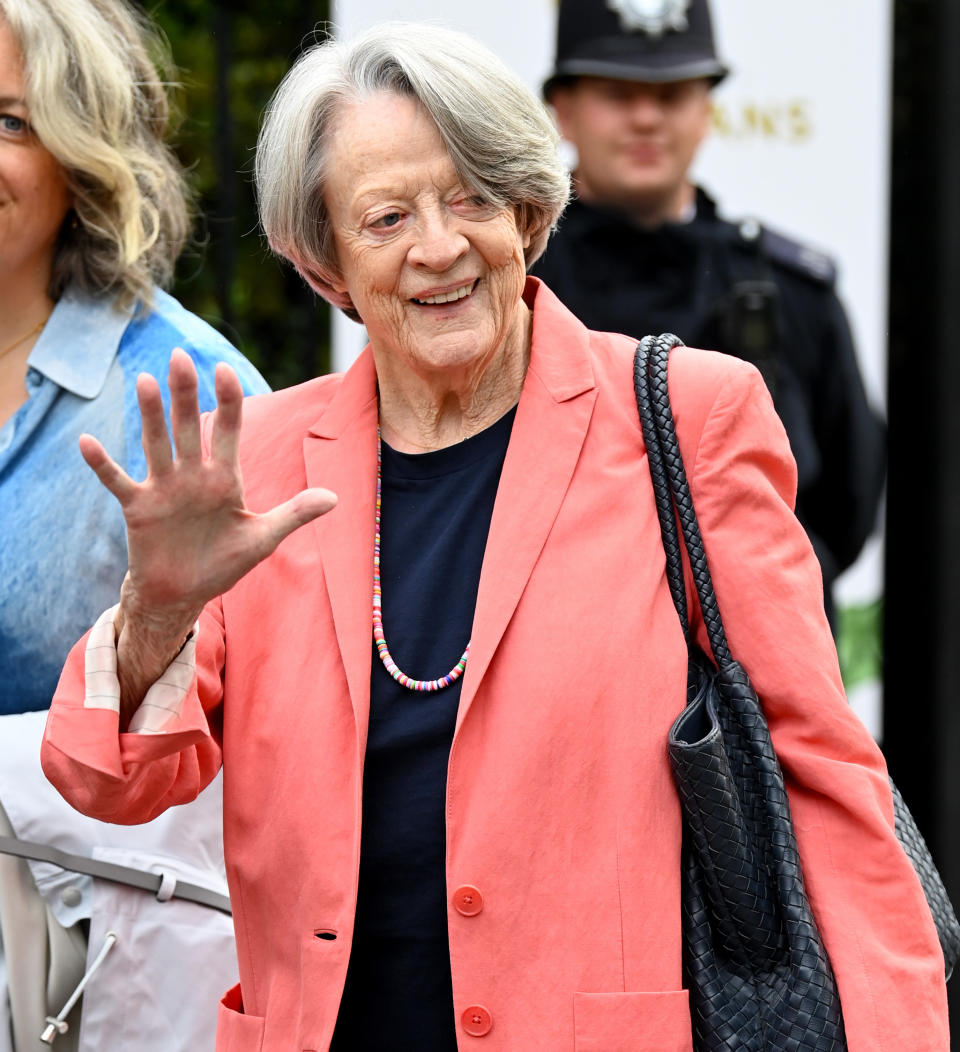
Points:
(553, 416)
(340, 453)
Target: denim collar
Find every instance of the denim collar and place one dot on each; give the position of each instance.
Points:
(80, 341)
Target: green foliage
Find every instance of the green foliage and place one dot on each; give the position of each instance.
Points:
(860, 642)
(230, 59)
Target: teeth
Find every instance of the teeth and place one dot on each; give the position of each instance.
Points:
(448, 297)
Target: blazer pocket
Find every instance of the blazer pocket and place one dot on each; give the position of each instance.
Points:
(632, 1022)
(237, 1031)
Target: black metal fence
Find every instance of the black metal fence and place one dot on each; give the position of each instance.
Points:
(230, 58)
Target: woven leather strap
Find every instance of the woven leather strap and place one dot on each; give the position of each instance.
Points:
(673, 490)
(674, 502)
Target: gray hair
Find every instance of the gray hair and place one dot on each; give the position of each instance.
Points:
(97, 103)
(500, 137)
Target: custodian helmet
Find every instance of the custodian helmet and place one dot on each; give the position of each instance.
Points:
(655, 41)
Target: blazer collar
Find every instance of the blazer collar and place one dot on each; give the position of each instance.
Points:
(340, 453)
(553, 416)
(558, 358)
(559, 349)
(353, 395)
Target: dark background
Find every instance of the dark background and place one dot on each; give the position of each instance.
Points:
(230, 60)
(922, 629)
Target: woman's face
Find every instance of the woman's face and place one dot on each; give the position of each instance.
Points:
(435, 272)
(34, 198)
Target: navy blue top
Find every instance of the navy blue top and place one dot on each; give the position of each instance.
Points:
(436, 511)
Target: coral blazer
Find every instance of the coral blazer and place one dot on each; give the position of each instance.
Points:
(563, 827)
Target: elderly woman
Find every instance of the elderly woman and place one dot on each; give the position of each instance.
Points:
(462, 826)
(93, 214)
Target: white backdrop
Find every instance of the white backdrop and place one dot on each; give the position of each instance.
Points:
(801, 141)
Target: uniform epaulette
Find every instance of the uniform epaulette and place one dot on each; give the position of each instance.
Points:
(787, 252)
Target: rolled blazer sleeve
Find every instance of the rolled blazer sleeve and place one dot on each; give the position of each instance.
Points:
(133, 777)
(867, 899)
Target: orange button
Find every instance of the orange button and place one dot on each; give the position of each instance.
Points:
(468, 900)
(477, 1021)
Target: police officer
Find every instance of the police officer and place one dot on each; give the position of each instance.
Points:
(641, 249)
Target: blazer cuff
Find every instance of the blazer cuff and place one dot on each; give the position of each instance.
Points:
(161, 710)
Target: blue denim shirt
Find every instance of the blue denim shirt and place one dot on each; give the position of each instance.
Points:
(63, 550)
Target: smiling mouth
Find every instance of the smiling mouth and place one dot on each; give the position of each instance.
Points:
(447, 297)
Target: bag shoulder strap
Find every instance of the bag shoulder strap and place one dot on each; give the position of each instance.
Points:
(658, 475)
(672, 489)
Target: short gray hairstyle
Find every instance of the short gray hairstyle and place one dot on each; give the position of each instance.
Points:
(500, 137)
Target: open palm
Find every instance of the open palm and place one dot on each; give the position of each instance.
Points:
(190, 534)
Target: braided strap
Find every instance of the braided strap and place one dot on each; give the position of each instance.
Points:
(659, 400)
(754, 961)
(658, 474)
(674, 502)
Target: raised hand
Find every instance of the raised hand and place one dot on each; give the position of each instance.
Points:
(190, 534)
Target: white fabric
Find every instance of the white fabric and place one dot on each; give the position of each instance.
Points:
(158, 988)
(6, 1033)
(168, 885)
(6, 1024)
(46, 961)
(163, 701)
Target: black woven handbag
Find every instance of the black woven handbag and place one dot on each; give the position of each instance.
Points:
(754, 962)
(755, 965)
(944, 917)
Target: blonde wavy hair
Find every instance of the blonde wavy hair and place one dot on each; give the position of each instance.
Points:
(97, 102)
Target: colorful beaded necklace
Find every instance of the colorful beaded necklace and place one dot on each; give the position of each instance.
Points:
(389, 664)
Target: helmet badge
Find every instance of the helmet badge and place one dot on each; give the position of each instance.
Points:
(653, 17)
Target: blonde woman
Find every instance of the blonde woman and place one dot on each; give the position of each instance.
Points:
(93, 214)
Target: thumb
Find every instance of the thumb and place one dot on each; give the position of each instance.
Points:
(281, 521)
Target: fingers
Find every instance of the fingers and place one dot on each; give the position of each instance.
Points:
(185, 413)
(117, 481)
(307, 505)
(184, 407)
(226, 420)
(153, 426)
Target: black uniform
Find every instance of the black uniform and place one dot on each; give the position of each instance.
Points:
(755, 294)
